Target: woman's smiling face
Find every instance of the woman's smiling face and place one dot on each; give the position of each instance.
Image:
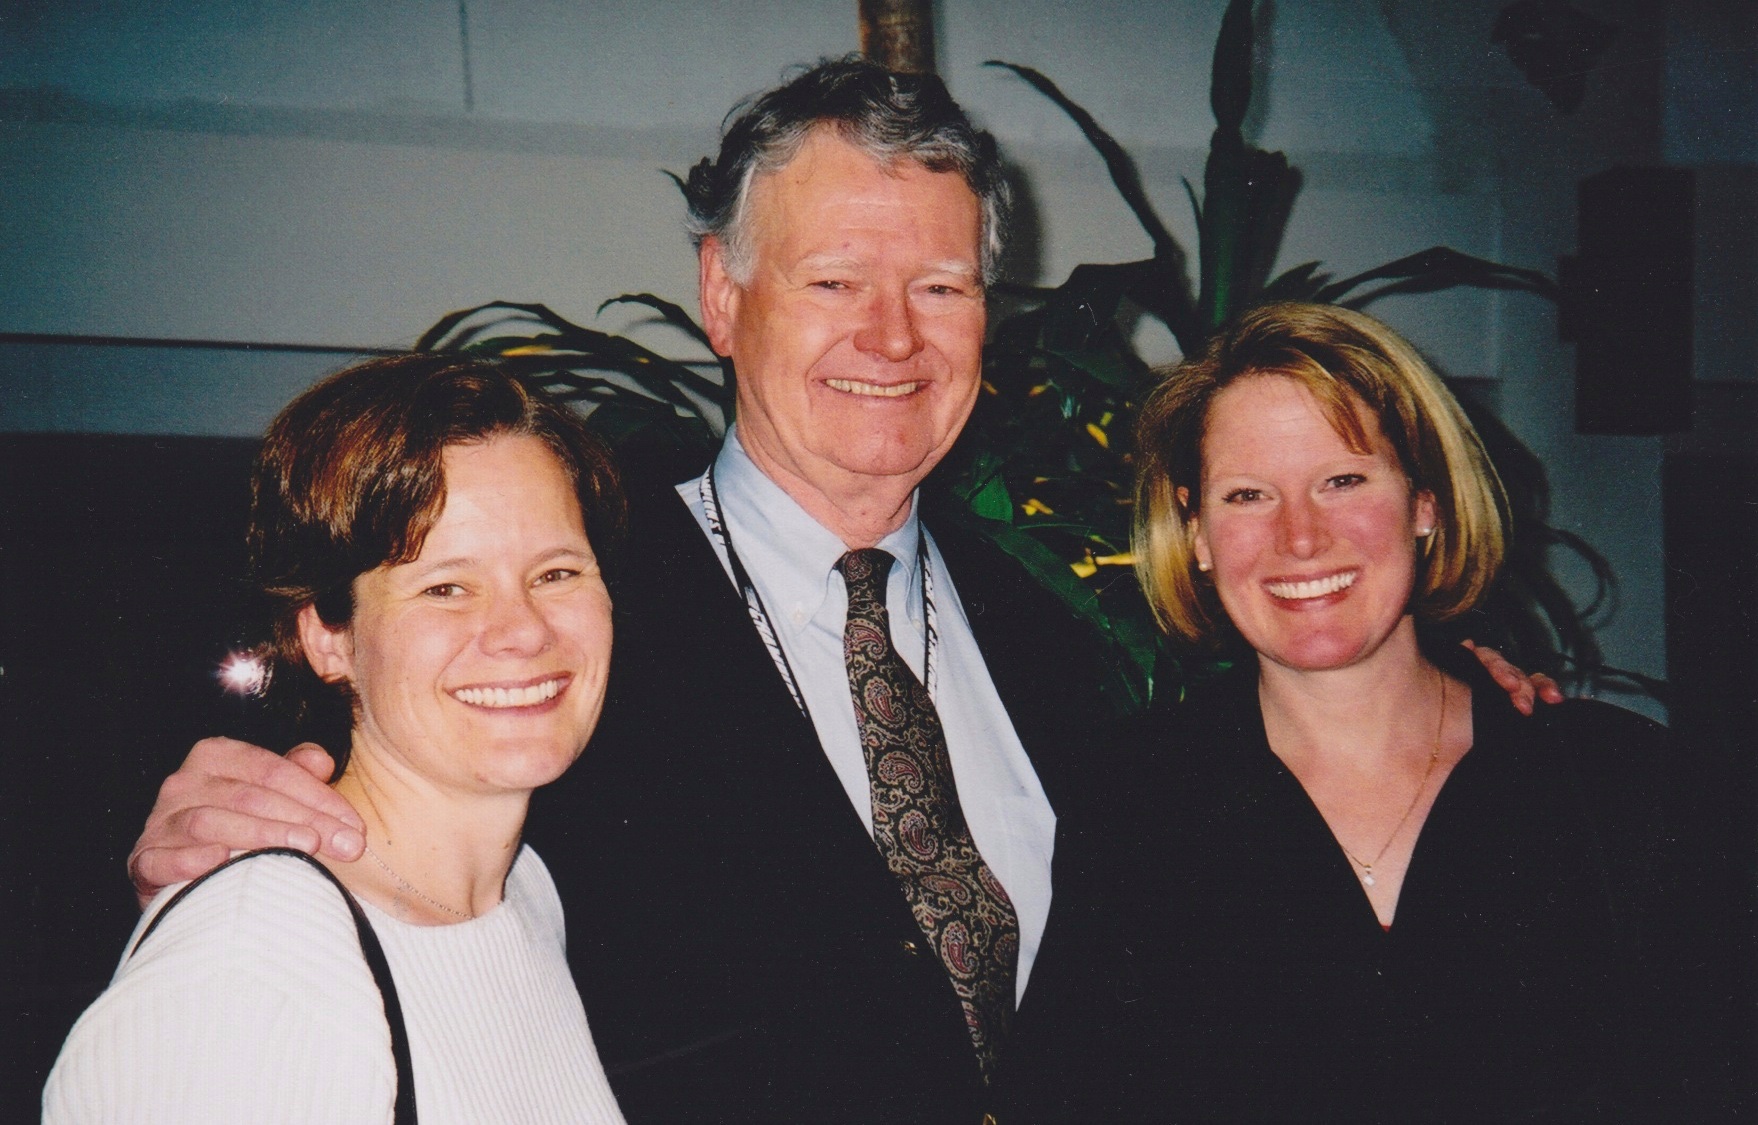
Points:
(1312, 545)
(481, 664)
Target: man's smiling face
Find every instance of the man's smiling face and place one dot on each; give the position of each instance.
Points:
(858, 336)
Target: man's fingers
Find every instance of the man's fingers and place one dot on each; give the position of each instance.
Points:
(232, 796)
(208, 834)
(1548, 689)
(217, 759)
(154, 868)
(1517, 684)
(1522, 697)
(249, 816)
(314, 760)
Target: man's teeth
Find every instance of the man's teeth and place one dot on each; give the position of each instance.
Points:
(1313, 588)
(876, 390)
(509, 697)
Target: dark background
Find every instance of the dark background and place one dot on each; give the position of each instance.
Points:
(120, 564)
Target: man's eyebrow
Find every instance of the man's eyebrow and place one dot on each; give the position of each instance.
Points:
(829, 262)
(959, 266)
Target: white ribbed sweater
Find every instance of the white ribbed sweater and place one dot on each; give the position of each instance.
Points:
(252, 1002)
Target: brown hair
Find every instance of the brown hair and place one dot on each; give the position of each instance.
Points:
(351, 478)
(1349, 361)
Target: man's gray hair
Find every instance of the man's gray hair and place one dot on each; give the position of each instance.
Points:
(887, 115)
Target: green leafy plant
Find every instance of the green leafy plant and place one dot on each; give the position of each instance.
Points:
(1044, 468)
(632, 389)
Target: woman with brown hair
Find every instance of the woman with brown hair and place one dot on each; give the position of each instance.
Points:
(425, 532)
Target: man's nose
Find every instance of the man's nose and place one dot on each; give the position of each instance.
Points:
(889, 331)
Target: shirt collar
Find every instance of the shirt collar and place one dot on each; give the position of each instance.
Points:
(791, 556)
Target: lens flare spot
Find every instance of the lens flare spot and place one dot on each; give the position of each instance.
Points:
(243, 674)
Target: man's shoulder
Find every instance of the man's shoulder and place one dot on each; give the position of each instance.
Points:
(664, 543)
(990, 580)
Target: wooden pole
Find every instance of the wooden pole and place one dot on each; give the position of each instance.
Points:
(899, 34)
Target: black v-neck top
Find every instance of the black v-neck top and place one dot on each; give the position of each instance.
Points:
(1517, 981)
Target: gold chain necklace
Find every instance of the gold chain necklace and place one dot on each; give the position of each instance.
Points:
(405, 885)
(1434, 758)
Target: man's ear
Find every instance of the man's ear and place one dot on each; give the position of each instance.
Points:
(719, 294)
(329, 651)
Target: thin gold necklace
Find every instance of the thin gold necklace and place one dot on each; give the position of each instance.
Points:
(402, 883)
(1434, 758)
(405, 885)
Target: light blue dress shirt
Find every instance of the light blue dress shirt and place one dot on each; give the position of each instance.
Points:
(791, 559)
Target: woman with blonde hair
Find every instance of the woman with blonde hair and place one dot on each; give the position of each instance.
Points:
(1383, 894)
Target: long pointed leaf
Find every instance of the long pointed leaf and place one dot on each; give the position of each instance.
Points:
(1230, 77)
(1297, 283)
(1441, 267)
(1196, 204)
(1117, 162)
(674, 314)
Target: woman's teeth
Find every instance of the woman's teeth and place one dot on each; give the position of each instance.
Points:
(509, 697)
(1312, 588)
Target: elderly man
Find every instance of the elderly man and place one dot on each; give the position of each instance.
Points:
(807, 860)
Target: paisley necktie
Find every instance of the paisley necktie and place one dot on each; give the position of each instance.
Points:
(961, 907)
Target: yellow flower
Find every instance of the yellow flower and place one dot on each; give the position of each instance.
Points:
(1035, 507)
(1089, 566)
(1099, 435)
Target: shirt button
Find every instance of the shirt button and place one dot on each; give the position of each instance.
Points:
(799, 616)
(909, 947)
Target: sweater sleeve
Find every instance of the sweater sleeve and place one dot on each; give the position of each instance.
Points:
(251, 1002)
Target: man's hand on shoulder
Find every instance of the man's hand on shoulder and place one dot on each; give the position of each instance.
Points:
(1523, 689)
(231, 796)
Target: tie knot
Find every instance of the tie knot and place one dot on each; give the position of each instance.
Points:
(865, 572)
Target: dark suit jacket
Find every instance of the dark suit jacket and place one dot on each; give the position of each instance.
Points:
(743, 953)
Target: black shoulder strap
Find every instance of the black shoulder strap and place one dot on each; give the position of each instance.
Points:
(404, 1112)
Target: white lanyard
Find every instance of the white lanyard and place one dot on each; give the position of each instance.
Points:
(760, 616)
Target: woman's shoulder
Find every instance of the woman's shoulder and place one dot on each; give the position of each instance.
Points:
(1604, 732)
(251, 911)
(265, 931)
(1594, 720)
(531, 892)
(1590, 735)
(251, 986)
(1623, 763)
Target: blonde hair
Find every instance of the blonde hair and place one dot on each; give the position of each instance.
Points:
(1349, 362)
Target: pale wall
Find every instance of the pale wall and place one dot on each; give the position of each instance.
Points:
(309, 173)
